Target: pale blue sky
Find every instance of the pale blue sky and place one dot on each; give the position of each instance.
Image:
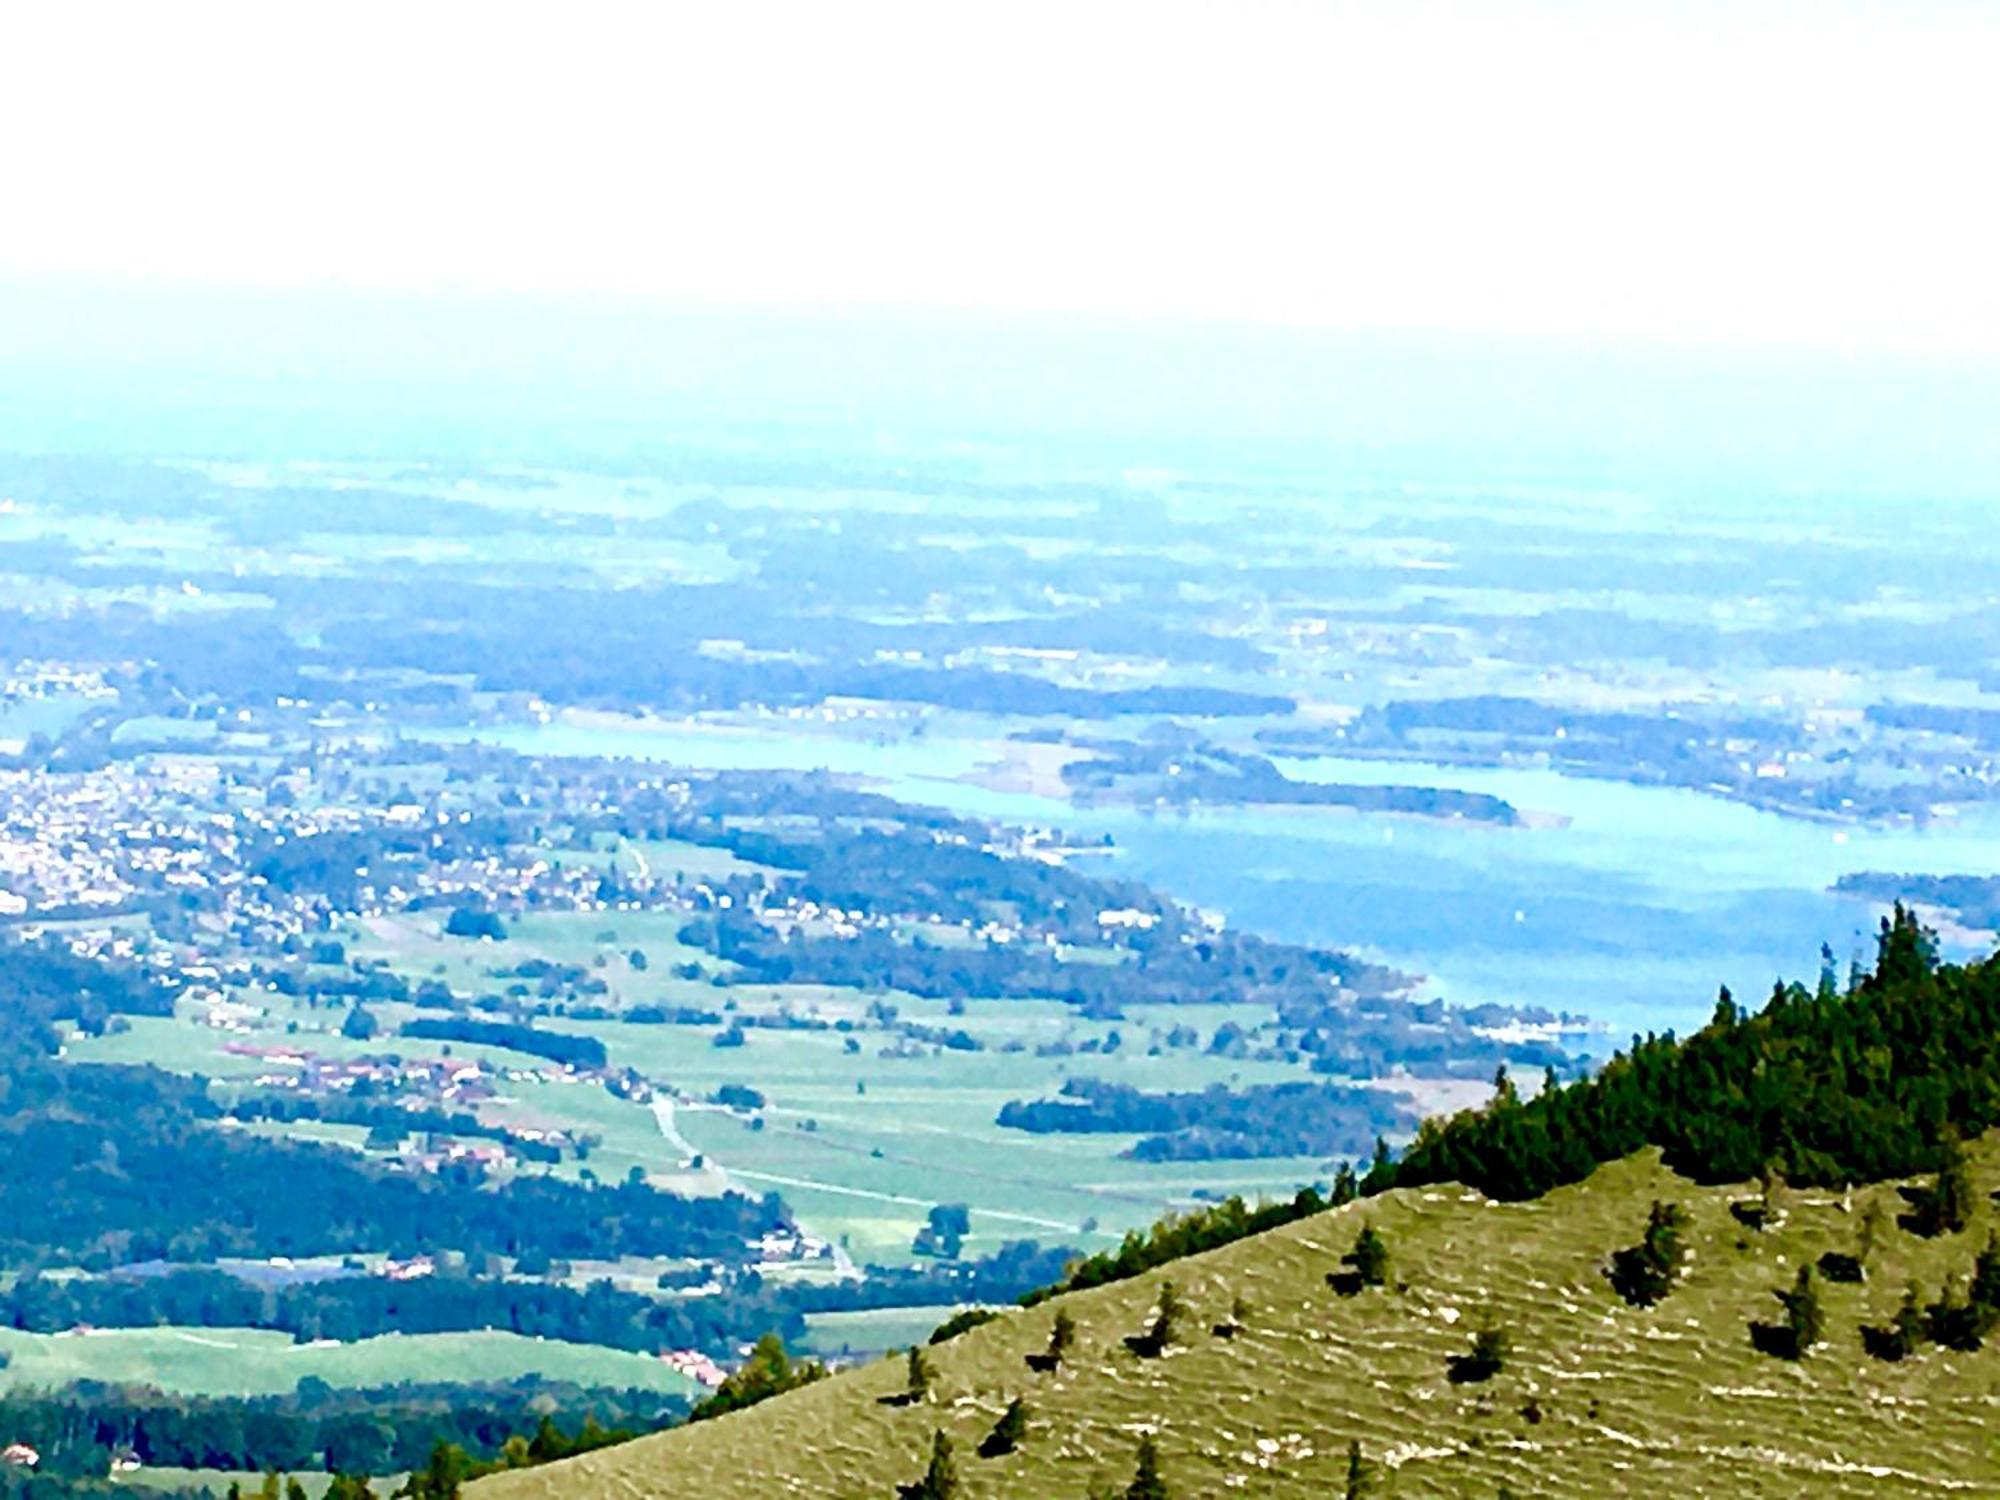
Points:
(1803, 176)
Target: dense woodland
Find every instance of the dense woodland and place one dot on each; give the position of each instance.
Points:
(1182, 771)
(133, 1164)
(80, 1429)
(1972, 900)
(1216, 1123)
(349, 1305)
(557, 1047)
(1845, 1084)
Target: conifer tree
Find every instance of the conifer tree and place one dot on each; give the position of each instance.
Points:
(1490, 1348)
(1147, 1481)
(1062, 1336)
(940, 1481)
(1908, 1327)
(1955, 1321)
(769, 1371)
(1874, 1225)
(1644, 1273)
(1346, 1187)
(1008, 1432)
(1168, 1318)
(440, 1478)
(1805, 1321)
(919, 1374)
(1951, 1199)
(1369, 1259)
(1381, 1170)
(1905, 950)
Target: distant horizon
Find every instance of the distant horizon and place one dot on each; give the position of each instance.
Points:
(1477, 406)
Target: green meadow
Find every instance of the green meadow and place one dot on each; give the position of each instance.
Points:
(258, 1362)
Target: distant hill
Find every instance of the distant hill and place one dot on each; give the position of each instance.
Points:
(1281, 1361)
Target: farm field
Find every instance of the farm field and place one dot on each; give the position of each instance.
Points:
(259, 1362)
(153, 1480)
(861, 1133)
(873, 1331)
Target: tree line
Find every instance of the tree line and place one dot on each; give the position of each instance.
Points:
(1839, 1085)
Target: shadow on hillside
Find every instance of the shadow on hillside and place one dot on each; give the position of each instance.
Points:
(1775, 1340)
(1846, 1269)
(1925, 1218)
(1470, 1369)
(1751, 1213)
(1884, 1343)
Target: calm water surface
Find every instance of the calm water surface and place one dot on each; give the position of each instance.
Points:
(1631, 912)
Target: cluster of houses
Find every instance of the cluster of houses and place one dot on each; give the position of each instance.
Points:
(696, 1366)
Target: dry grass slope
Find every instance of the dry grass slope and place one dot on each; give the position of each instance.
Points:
(1597, 1399)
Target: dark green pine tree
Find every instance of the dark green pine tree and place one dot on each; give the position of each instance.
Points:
(1644, 1273)
(1346, 1186)
(1490, 1348)
(1907, 1330)
(1008, 1432)
(1905, 951)
(1955, 1321)
(1951, 1199)
(1805, 1320)
(1369, 1259)
(1167, 1320)
(1147, 1481)
(440, 1478)
(1062, 1336)
(940, 1481)
(1874, 1225)
(919, 1385)
(1381, 1170)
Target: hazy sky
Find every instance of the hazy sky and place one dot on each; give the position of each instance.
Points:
(1811, 175)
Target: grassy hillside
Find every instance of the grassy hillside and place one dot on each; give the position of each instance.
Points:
(1596, 1398)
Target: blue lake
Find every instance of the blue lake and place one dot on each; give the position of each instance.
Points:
(1631, 912)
